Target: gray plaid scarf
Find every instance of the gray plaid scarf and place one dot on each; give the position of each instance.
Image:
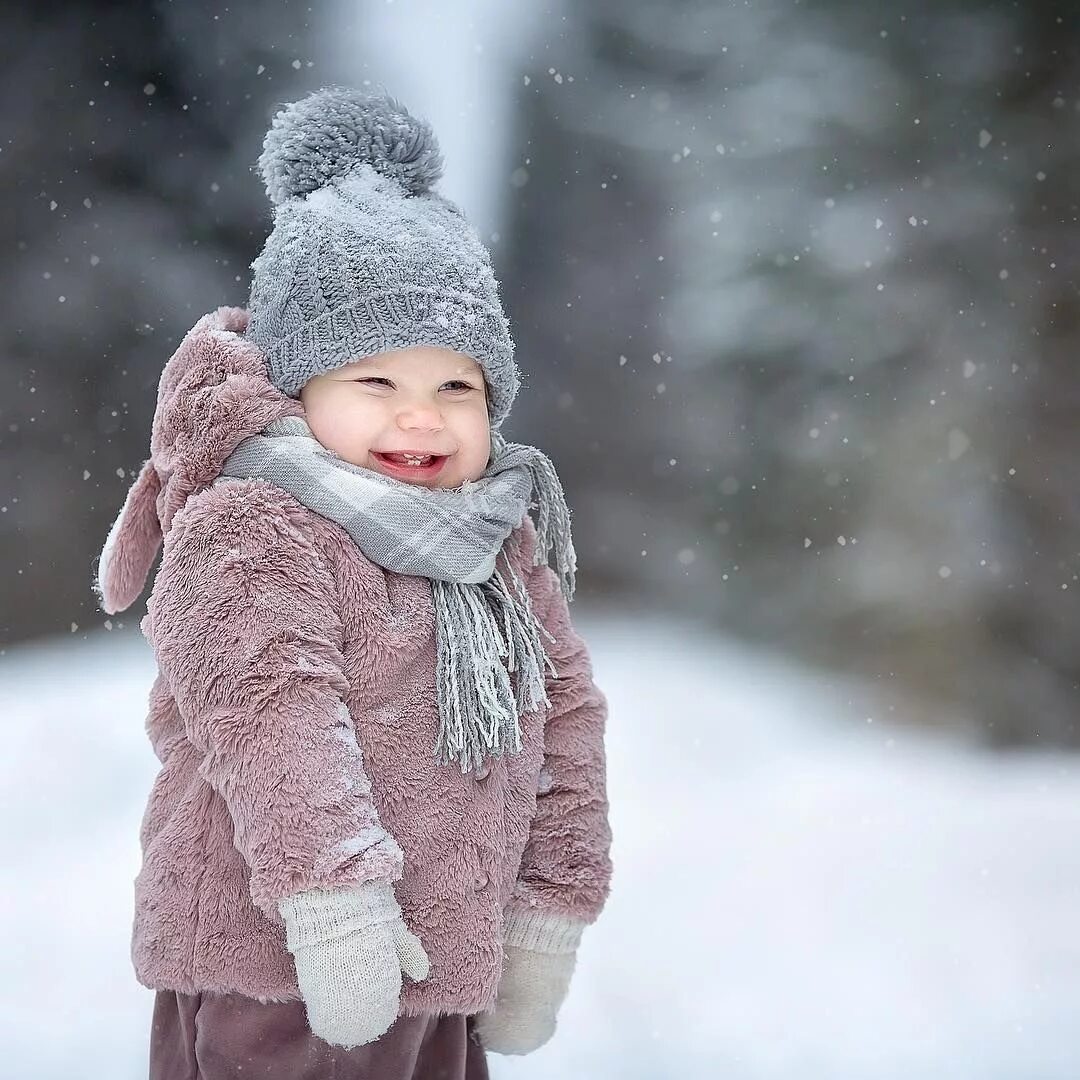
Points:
(452, 536)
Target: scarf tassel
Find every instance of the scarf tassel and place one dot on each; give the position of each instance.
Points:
(479, 625)
(478, 708)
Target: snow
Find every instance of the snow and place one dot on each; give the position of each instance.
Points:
(801, 888)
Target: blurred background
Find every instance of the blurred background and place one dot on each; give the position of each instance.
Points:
(794, 289)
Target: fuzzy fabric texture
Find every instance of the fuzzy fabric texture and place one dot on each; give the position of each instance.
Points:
(293, 715)
(491, 658)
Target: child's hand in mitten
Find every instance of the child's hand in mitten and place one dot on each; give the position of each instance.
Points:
(351, 946)
(531, 990)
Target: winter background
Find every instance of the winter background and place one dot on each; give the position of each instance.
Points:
(795, 290)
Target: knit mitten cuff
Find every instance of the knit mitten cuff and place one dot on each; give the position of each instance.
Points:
(322, 915)
(542, 931)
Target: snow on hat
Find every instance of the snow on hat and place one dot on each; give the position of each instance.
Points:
(364, 256)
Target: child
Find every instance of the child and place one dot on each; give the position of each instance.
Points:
(380, 823)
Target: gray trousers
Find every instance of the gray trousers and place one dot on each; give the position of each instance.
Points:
(229, 1037)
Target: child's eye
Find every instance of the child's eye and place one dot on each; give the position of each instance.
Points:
(458, 383)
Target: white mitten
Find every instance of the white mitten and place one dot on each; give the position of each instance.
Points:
(351, 946)
(531, 989)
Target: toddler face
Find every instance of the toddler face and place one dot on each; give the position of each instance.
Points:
(424, 400)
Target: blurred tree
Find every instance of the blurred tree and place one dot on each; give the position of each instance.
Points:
(795, 290)
(796, 287)
(132, 128)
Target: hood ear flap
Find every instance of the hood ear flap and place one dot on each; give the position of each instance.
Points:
(131, 546)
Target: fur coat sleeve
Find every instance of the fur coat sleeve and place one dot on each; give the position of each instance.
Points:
(247, 636)
(566, 867)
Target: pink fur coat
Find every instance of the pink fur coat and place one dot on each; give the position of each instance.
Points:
(294, 714)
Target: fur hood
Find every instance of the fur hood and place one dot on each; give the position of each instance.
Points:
(213, 393)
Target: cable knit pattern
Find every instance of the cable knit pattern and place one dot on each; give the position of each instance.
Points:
(365, 256)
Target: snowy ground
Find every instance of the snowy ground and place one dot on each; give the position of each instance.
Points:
(798, 893)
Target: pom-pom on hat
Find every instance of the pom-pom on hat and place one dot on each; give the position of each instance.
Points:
(365, 256)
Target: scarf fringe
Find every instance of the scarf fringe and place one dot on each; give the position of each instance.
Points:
(486, 630)
(479, 709)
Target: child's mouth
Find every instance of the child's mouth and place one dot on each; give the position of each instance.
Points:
(410, 467)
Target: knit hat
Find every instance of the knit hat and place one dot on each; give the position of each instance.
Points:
(364, 257)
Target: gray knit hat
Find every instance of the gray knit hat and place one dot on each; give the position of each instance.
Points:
(364, 257)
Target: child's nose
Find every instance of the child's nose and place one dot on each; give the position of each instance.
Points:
(420, 417)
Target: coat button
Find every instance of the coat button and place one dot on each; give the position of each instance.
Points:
(480, 880)
(483, 772)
